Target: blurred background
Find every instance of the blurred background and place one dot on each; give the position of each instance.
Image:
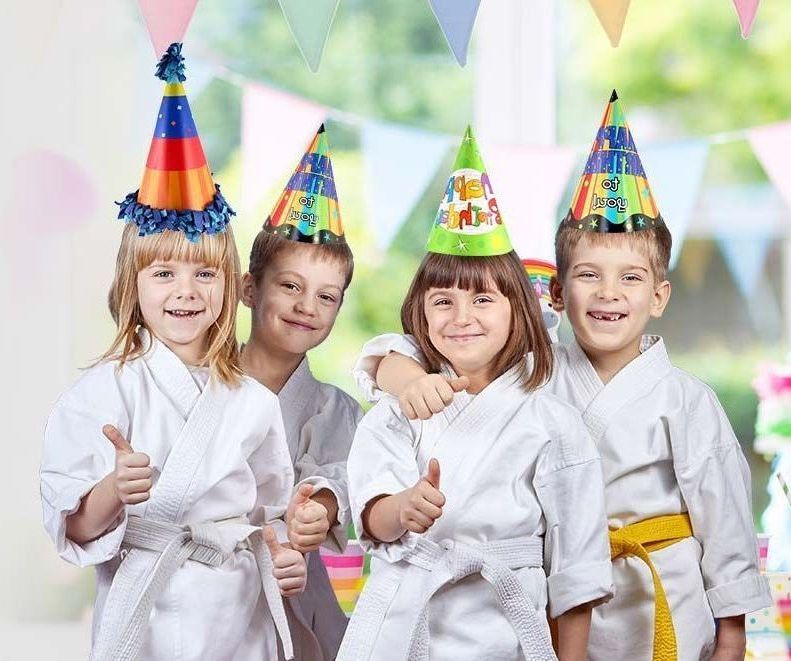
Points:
(76, 125)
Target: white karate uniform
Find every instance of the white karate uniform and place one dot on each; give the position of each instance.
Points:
(218, 455)
(667, 448)
(320, 421)
(515, 470)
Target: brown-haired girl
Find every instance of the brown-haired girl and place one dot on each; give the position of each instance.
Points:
(480, 515)
(163, 462)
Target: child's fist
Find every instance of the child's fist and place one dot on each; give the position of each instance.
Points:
(289, 568)
(307, 521)
(430, 394)
(132, 473)
(421, 505)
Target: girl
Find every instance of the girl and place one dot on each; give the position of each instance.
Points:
(464, 512)
(162, 462)
(294, 288)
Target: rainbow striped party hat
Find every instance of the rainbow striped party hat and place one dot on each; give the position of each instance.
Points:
(307, 210)
(468, 222)
(613, 194)
(177, 192)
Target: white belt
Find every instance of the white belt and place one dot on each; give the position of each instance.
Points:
(209, 543)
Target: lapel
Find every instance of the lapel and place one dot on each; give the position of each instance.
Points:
(634, 381)
(171, 375)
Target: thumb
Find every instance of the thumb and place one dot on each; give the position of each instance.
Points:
(459, 383)
(118, 441)
(432, 477)
(303, 494)
(271, 542)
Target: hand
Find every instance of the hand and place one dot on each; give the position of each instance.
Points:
(421, 505)
(430, 394)
(132, 475)
(308, 522)
(289, 569)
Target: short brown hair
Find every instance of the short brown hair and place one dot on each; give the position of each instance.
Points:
(138, 252)
(527, 333)
(655, 243)
(267, 247)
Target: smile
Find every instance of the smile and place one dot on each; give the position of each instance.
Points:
(184, 314)
(607, 316)
(299, 325)
(463, 338)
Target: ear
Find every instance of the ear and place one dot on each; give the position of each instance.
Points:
(556, 292)
(249, 290)
(660, 298)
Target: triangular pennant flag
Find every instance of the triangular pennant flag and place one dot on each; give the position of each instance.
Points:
(745, 255)
(697, 254)
(772, 147)
(310, 22)
(275, 128)
(399, 163)
(530, 181)
(456, 18)
(468, 222)
(612, 16)
(678, 192)
(746, 10)
(167, 21)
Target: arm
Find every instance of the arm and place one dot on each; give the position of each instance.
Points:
(714, 479)
(396, 371)
(573, 628)
(373, 351)
(731, 639)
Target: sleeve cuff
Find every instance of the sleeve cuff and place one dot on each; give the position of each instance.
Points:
(579, 584)
(745, 595)
(373, 351)
(337, 536)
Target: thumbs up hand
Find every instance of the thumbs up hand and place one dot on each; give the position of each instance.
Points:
(421, 505)
(307, 520)
(289, 569)
(132, 475)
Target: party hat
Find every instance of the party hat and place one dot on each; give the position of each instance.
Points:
(177, 191)
(307, 210)
(613, 194)
(468, 222)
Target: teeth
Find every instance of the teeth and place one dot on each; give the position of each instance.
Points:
(607, 316)
(183, 313)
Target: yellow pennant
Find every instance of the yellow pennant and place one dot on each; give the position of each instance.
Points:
(611, 15)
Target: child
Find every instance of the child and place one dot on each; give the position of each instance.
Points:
(677, 486)
(299, 272)
(163, 460)
(462, 512)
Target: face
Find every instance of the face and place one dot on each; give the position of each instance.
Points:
(180, 301)
(296, 303)
(610, 294)
(468, 328)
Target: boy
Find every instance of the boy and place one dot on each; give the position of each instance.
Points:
(300, 267)
(677, 486)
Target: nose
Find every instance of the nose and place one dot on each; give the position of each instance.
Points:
(608, 289)
(306, 304)
(462, 314)
(186, 289)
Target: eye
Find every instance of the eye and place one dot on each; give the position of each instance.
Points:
(206, 275)
(163, 274)
(483, 299)
(632, 277)
(289, 286)
(441, 301)
(586, 275)
(327, 297)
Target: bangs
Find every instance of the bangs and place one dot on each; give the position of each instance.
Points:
(476, 274)
(211, 250)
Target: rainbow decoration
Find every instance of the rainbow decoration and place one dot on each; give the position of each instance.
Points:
(307, 210)
(177, 191)
(540, 274)
(613, 194)
(468, 222)
(346, 572)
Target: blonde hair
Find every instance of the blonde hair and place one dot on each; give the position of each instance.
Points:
(655, 243)
(527, 333)
(138, 252)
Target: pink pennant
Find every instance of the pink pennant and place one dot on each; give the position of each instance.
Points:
(167, 21)
(276, 129)
(772, 146)
(528, 182)
(746, 9)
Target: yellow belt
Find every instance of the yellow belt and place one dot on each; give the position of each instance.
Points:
(639, 539)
